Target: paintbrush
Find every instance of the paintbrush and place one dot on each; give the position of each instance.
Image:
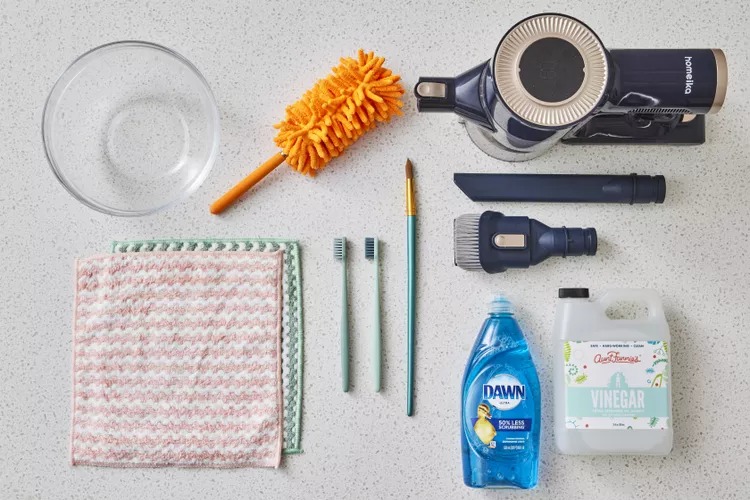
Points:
(411, 221)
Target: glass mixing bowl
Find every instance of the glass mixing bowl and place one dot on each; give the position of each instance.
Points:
(131, 127)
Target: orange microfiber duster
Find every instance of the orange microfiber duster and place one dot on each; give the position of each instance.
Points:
(329, 117)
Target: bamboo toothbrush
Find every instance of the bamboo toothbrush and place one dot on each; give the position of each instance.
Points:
(411, 222)
(372, 253)
(339, 253)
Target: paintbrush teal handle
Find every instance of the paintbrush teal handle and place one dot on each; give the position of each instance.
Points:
(411, 222)
(377, 342)
(344, 331)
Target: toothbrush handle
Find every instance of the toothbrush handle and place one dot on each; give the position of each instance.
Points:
(377, 347)
(344, 332)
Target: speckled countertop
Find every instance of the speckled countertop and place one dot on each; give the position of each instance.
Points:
(259, 56)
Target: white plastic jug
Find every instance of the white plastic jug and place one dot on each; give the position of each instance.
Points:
(613, 390)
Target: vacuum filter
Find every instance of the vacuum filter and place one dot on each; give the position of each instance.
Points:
(551, 70)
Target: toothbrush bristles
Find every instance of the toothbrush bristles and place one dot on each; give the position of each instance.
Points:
(339, 248)
(370, 248)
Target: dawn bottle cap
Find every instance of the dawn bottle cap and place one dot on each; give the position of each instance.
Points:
(500, 305)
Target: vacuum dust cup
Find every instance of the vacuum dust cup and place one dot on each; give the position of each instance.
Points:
(548, 73)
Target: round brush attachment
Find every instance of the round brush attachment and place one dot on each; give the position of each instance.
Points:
(493, 242)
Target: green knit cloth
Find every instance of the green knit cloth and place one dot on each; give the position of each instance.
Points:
(291, 346)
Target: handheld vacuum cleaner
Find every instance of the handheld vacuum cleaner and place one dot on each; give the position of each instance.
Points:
(551, 79)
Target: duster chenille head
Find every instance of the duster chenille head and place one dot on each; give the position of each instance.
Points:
(337, 111)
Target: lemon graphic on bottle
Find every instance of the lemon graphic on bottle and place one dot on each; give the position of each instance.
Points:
(483, 427)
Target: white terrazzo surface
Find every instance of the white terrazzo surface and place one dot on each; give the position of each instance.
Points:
(259, 56)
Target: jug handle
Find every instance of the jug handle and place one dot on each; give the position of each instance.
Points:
(640, 296)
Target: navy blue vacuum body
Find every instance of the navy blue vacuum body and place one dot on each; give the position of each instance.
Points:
(551, 79)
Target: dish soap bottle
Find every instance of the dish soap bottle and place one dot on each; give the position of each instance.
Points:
(613, 393)
(501, 406)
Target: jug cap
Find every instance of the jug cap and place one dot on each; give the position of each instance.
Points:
(551, 70)
(573, 293)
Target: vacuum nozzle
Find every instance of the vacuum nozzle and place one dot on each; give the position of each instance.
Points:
(494, 242)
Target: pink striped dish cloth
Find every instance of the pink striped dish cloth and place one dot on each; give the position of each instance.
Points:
(177, 360)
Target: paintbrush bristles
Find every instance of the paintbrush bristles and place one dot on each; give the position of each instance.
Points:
(337, 111)
(409, 169)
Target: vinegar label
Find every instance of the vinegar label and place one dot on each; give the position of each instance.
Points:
(616, 385)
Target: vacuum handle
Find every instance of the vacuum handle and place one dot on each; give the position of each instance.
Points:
(563, 188)
(435, 94)
(678, 80)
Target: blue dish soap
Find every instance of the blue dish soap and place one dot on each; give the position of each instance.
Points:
(501, 406)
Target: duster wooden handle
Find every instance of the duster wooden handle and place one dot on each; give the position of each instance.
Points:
(245, 184)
